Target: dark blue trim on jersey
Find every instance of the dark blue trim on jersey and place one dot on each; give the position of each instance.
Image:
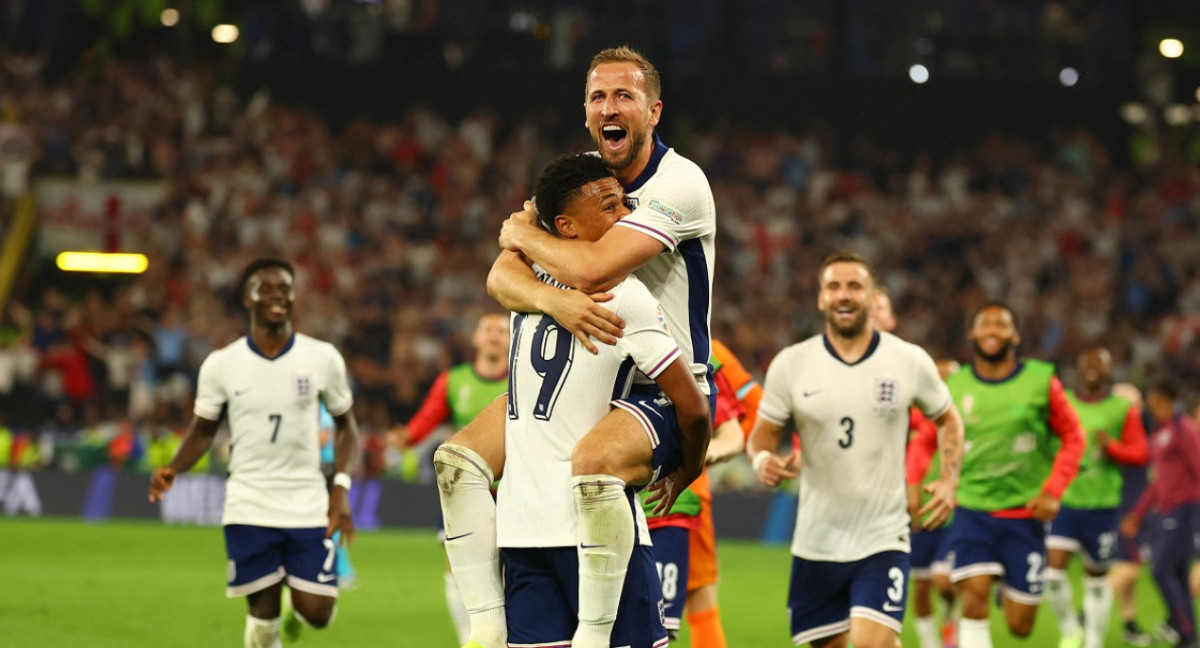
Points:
(694, 260)
(656, 156)
(624, 379)
(875, 337)
(996, 381)
(287, 347)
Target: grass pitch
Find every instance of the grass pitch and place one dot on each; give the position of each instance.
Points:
(125, 584)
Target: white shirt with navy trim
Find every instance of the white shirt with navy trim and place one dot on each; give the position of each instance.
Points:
(558, 392)
(272, 407)
(853, 425)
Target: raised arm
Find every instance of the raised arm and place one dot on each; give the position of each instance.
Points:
(512, 282)
(196, 442)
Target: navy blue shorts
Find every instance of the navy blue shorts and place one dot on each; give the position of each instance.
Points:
(260, 557)
(671, 551)
(822, 596)
(1091, 533)
(541, 596)
(656, 413)
(1014, 549)
(931, 553)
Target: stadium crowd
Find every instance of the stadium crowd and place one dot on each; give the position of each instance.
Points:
(392, 228)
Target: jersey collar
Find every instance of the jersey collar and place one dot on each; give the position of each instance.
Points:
(286, 347)
(996, 381)
(656, 157)
(869, 352)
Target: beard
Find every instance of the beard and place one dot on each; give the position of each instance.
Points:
(996, 357)
(854, 329)
(621, 161)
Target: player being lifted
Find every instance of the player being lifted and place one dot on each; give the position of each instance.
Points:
(1012, 478)
(848, 394)
(1087, 522)
(278, 515)
(558, 395)
(460, 394)
(668, 243)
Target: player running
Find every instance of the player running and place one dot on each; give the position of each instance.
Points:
(278, 515)
(848, 393)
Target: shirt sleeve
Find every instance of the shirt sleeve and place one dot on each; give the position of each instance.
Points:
(647, 339)
(1065, 423)
(932, 396)
(337, 395)
(776, 404)
(921, 446)
(434, 410)
(1131, 449)
(211, 395)
(679, 208)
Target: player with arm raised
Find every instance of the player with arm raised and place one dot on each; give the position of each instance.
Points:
(552, 550)
(667, 242)
(1087, 522)
(848, 394)
(278, 515)
(1012, 477)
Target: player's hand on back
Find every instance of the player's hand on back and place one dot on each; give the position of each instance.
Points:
(585, 318)
(160, 482)
(772, 469)
(1044, 507)
(940, 507)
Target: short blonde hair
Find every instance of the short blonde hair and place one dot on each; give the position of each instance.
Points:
(626, 54)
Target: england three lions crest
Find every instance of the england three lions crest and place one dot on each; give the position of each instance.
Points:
(302, 389)
(885, 394)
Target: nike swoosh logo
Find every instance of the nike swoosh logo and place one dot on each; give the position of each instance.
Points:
(450, 539)
(813, 393)
(588, 546)
(888, 607)
(325, 578)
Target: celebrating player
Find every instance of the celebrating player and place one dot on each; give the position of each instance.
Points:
(1012, 479)
(460, 394)
(1087, 522)
(278, 515)
(848, 393)
(668, 243)
(559, 399)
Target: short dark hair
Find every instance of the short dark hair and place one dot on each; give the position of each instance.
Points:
(1166, 386)
(848, 257)
(994, 303)
(259, 264)
(562, 180)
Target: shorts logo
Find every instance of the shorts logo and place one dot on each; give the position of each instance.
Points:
(657, 206)
(885, 392)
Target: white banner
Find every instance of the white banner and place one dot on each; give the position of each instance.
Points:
(88, 216)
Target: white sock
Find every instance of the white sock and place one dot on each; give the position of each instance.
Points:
(464, 484)
(927, 632)
(1061, 602)
(261, 633)
(458, 611)
(974, 633)
(605, 534)
(1097, 607)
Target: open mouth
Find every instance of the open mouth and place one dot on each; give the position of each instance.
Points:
(278, 310)
(614, 136)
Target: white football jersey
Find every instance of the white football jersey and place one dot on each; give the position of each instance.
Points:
(558, 391)
(673, 203)
(853, 426)
(272, 407)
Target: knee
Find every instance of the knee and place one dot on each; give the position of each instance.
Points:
(453, 463)
(1020, 628)
(590, 459)
(316, 616)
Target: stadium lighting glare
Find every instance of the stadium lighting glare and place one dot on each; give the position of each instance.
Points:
(225, 33)
(1068, 76)
(918, 73)
(1134, 113)
(1177, 114)
(169, 17)
(102, 262)
(1170, 47)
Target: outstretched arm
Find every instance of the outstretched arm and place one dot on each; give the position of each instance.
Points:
(196, 442)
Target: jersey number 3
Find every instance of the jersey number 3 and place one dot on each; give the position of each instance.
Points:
(848, 430)
(552, 351)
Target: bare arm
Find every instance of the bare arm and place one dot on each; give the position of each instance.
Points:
(512, 283)
(727, 442)
(695, 426)
(770, 467)
(950, 445)
(196, 442)
(345, 455)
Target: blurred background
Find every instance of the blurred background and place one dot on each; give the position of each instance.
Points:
(1043, 152)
